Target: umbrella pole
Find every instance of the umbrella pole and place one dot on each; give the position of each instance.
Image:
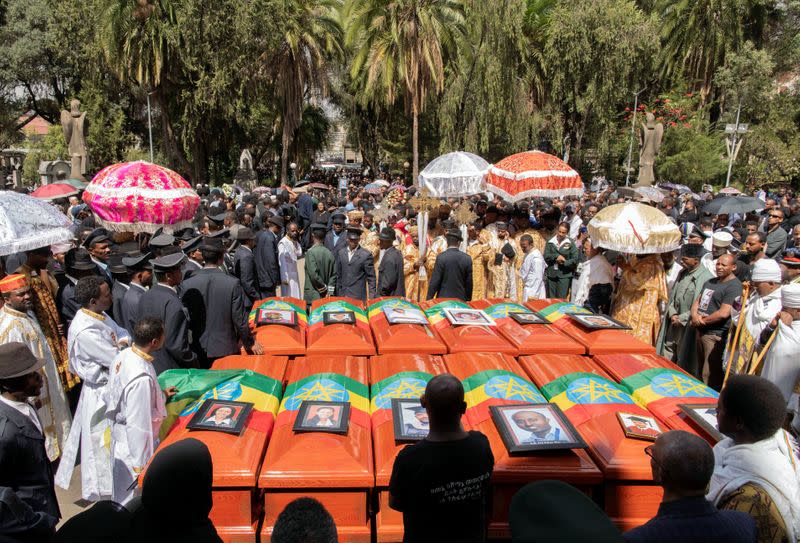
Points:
(732, 348)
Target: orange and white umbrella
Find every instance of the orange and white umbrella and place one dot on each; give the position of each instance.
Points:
(533, 173)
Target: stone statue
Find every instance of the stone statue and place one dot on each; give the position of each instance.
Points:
(649, 144)
(76, 128)
(246, 175)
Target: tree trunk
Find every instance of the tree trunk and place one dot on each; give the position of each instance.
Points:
(199, 156)
(415, 145)
(174, 153)
(285, 140)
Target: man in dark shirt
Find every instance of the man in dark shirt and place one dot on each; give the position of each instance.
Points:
(682, 463)
(441, 483)
(710, 315)
(452, 272)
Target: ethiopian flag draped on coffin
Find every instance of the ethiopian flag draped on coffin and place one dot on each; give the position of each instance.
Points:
(195, 386)
(496, 387)
(315, 320)
(656, 383)
(557, 312)
(377, 308)
(328, 387)
(405, 384)
(436, 316)
(504, 310)
(280, 304)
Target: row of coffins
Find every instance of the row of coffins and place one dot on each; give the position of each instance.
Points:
(331, 425)
(439, 326)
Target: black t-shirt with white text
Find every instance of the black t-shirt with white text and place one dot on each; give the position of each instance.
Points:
(713, 295)
(442, 488)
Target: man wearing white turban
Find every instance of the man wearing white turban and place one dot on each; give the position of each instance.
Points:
(782, 362)
(762, 306)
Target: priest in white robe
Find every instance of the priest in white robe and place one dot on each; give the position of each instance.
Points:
(19, 324)
(289, 251)
(135, 407)
(532, 270)
(93, 342)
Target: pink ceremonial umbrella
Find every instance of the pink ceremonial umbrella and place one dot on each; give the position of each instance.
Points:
(141, 197)
(533, 173)
(54, 190)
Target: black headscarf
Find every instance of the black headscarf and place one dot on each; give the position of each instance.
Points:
(176, 497)
(105, 522)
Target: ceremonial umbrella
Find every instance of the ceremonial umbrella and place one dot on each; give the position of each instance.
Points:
(141, 197)
(77, 183)
(651, 193)
(533, 173)
(730, 191)
(733, 204)
(372, 188)
(454, 174)
(261, 190)
(682, 189)
(320, 186)
(634, 228)
(381, 182)
(28, 223)
(54, 190)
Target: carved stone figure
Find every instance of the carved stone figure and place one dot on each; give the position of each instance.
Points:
(246, 175)
(649, 144)
(76, 128)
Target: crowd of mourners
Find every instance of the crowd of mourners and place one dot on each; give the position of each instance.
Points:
(87, 326)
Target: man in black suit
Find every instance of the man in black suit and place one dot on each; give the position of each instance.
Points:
(77, 263)
(244, 266)
(141, 276)
(390, 268)
(452, 273)
(119, 287)
(355, 269)
(162, 302)
(194, 260)
(24, 466)
(336, 238)
(215, 301)
(266, 257)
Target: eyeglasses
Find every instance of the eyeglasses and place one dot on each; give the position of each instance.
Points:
(775, 216)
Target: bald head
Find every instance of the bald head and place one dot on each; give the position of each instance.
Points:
(444, 399)
(682, 463)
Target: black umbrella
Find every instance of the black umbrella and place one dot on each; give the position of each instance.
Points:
(733, 204)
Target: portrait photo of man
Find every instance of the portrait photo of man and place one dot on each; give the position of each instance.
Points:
(221, 416)
(415, 421)
(325, 417)
(322, 416)
(536, 427)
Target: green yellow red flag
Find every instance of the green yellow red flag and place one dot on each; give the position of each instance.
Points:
(329, 387)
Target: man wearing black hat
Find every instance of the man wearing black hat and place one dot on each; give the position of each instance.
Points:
(319, 267)
(390, 265)
(266, 257)
(355, 269)
(24, 466)
(452, 273)
(670, 343)
(194, 259)
(244, 266)
(141, 276)
(99, 245)
(162, 302)
(216, 302)
(121, 276)
(77, 263)
(159, 242)
(336, 239)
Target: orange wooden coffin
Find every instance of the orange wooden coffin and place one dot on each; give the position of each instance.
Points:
(661, 386)
(280, 338)
(401, 338)
(393, 376)
(336, 469)
(461, 339)
(339, 339)
(595, 341)
(236, 511)
(591, 400)
(527, 338)
(497, 379)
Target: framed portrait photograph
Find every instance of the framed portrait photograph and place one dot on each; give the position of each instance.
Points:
(410, 419)
(528, 318)
(534, 427)
(404, 315)
(705, 416)
(276, 316)
(321, 416)
(338, 317)
(598, 322)
(468, 317)
(639, 426)
(221, 416)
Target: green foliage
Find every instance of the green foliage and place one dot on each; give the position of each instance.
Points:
(691, 157)
(746, 79)
(51, 147)
(772, 148)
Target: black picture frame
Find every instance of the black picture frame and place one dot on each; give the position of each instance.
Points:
(208, 409)
(413, 316)
(304, 423)
(632, 432)
(528, 318)
(459, 316)
(285, 317)
(702, 420)
(401, 421)
(586, 320)
(338, 317)
(512, 434)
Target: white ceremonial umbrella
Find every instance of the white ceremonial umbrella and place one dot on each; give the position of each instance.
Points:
(29, 223)
(634, 228)
(455, 174)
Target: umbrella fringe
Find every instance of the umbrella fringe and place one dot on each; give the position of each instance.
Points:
(631, 249)
(541, 193)
(142, 227)
(56, 235)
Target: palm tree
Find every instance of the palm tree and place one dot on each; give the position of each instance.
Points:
(402, 47)
(311, 40)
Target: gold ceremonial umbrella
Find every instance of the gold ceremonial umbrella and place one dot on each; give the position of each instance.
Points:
(634, 228)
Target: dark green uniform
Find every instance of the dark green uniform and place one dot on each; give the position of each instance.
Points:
(559, 276)
(320, 273)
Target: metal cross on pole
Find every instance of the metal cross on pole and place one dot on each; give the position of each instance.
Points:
(733, 141)
(633, 134)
